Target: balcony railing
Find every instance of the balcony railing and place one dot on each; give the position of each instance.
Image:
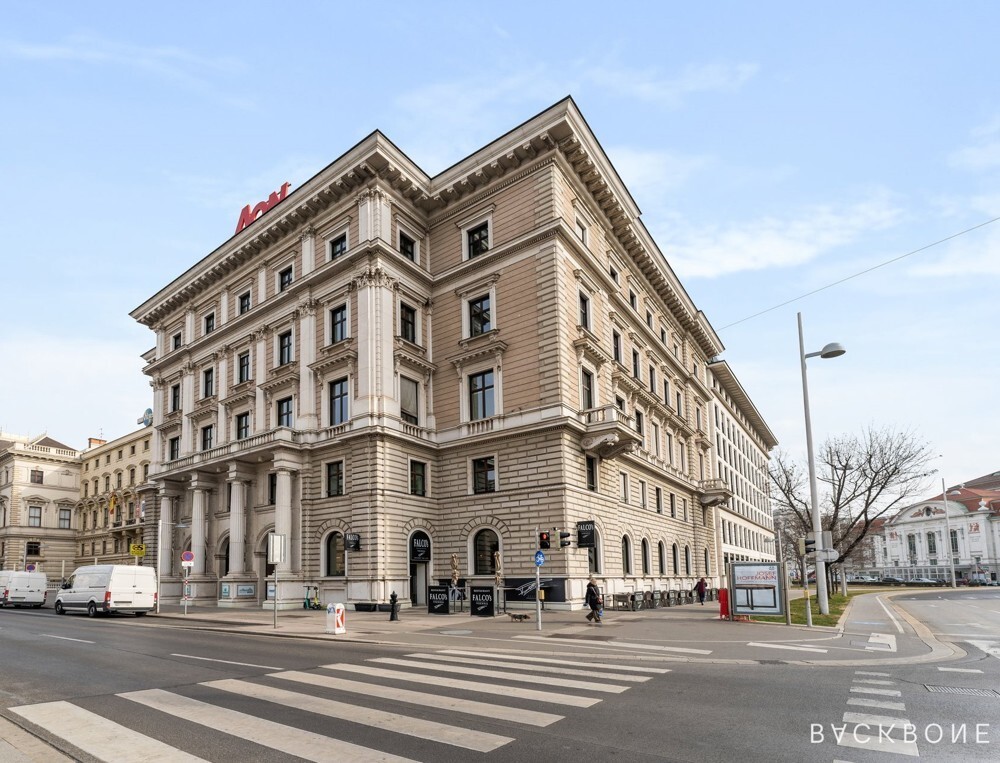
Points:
(610, 431)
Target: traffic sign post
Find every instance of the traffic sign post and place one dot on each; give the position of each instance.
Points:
(187, 562)
(539, 561)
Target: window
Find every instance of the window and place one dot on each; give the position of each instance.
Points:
(639, 421)
(34, 516)
(708, 568)
(176, 341)
(484, 547)
(624, 486)
(636, 373)
(479, 315)
(284, 408)
(244, 305)
(593, 557)
(335, 478)
(206, 437)
(409, 400)
(484, 476)
(581, 231)
(242, 425)
(687, 560)
(626, 556)
(633, 300)
(210, 323)
(645, 556)
(118, 479)
(676, 560)
(107, 484)
(642, 493)
(243, 367)
(954, 542)
(131, 450)
(33, 548)
(613, 272)
(616, 346)
(37, 476)
(145, 472)
(338, 324)
(337, 246)
(478, 239)
(131, 475)
(285, 278)
(418, 478)
(120, 452)
(680, 406)
(173, 449)
(659, 500)
(586, 389)
(338, 402)
(65, 518)
(285, 348)
(649, 319)
(208, 382)
(407, 247)
(175, 397)
(661, 554)
(407, 323)
(335, 566)
(481, 395)
(591, 473)
(673, 505)
(656, 440)
(585, 311)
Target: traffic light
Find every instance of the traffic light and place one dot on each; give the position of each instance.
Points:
(807, 546)
(564, 539)
(544, 540)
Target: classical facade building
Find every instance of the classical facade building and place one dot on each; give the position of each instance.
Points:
(401, 379)
(917, 540)
(109, 506)
(743, 443)
(39, 484)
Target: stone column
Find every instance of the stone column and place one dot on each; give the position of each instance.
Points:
(283, 516)
(237, 525)
(198, 499)
(164, 539)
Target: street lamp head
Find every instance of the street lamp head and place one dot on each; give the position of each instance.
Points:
(832, 350)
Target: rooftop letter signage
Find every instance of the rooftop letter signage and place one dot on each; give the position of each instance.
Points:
(248, 215)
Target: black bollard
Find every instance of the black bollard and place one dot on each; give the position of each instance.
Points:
(393, 606)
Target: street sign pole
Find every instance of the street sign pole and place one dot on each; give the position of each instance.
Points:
(538, 576)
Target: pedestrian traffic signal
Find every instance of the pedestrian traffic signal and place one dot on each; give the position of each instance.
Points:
(807, 546)
(564, 539)
(544, 540)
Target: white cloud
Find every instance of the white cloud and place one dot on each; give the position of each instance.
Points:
(651, 175)
(984, 152)
(654, 87)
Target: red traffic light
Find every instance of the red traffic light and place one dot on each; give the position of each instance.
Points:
(544, 540)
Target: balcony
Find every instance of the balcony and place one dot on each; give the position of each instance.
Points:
(609, 432)
(714, 492)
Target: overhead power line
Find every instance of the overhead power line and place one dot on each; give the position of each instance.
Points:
(861, 273)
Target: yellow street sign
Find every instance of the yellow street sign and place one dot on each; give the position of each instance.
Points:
(137, 549)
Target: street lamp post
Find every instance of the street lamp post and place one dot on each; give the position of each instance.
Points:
(832, 350)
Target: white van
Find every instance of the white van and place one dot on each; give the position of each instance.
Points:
(22, 589)
(108, 588)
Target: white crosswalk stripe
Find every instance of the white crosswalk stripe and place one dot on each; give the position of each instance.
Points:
(326, 691)
(875, 732)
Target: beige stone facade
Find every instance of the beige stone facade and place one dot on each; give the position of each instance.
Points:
(403, 377)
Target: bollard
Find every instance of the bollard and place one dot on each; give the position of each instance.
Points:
(393, 606)
(336, 619)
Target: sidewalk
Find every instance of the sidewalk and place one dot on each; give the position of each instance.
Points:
(690, 633)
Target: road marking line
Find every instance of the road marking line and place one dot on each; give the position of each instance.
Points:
(881, 692)
(536, 668)
(874, 682)
(891, 616)
(276, 736)
(862, 702)
(885, 721)
(470, 739)
(476, 686)
(870, 740)
(547, 661)
(960, 670)
(569, 683)
(871, 673)
(787, 646)
(881, 641)
(455, 705)
(96, 735)
(617, 645)
(226, 662)
(67, 638)
(990, 647)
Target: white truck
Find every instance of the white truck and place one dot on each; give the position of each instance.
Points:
(107, 588)
(22, 589)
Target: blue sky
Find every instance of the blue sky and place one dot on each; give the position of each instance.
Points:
(774, 148)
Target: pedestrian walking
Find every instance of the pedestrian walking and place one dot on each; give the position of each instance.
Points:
(699, 588)
(595, 601)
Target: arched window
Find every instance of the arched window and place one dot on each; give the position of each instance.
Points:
(626, 556)
(224, 560)
(594, 556)
(708, 571)
(484, 544)
(676, 560)
(645, 557)
(335, 555)
(662, 553)
(687, 560)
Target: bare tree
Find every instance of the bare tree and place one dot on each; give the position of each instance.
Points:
(862, 477)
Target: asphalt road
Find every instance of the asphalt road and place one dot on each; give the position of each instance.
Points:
(94, 683)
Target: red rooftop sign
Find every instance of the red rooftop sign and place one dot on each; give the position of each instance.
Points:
(248, 215)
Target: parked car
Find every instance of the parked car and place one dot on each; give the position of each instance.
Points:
(108, 588)
(22, 589)
(925, 581)
(890, 580)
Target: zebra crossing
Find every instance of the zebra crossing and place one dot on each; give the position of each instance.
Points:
(875, 732)
(344, 693)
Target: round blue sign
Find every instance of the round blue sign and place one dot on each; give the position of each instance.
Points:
(539, 558)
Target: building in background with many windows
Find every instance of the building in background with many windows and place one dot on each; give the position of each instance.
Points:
(39, 486)
(403, 377)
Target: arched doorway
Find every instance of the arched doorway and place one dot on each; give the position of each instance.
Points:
(420, 564)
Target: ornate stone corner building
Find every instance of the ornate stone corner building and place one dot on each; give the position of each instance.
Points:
(389, 370)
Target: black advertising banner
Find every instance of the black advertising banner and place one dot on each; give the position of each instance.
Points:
(482, 600)
(437, 600)
(420, 548)
(585, 534)
(523, 589)
(352, 542)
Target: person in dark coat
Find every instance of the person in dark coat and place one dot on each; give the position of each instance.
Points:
(594, 600)
(699, 588)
